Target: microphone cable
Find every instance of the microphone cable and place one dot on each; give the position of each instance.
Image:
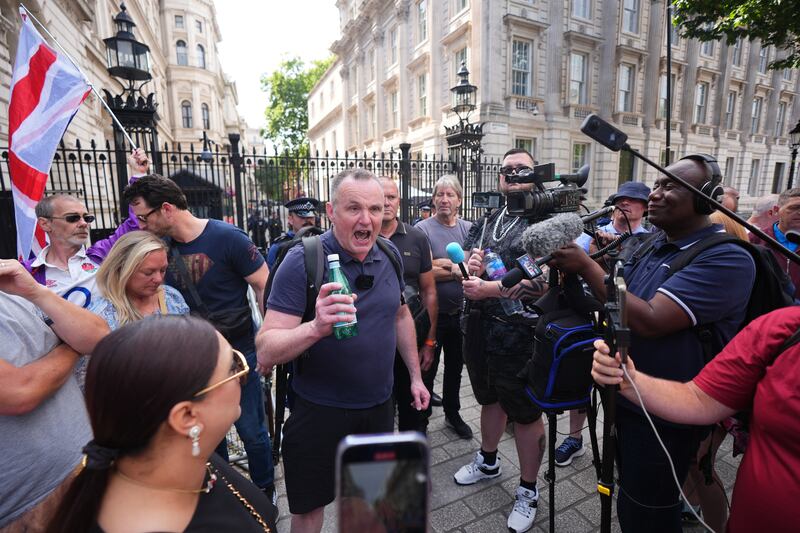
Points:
(610, 246)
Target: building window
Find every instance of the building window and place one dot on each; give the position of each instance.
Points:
(730, 164)
(461, 5)
(662, 96)
(422, 20)
(393, 45)
(676, 37)
(528, 145)
(755, 121)
(395, 110)
(186, 114)
(198, 25)
(627, 167)
(730, 110)
(371, 60)
(625, 93)
(777, 178)
(630, 16)
(521, 68)
(182, 54)
(422, 94)
(371, 121)
(333, 90)
(700, 103)
(763, 60)
(780, 120)
(201, 56)
(577, 82)
(581, 9)
(179, 22)
(752, 186)
(707, 48)
(580, 155)
(459, 57)
(737, 53)
(787, 74)
(206, 116)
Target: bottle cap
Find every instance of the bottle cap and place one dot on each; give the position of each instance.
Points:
(333, 257)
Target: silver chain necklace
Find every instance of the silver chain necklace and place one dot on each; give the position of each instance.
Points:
(505, 229)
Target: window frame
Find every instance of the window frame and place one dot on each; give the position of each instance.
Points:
(701, 108)
(631, 15)
(422, 21)
(583, 93)
(187, 119)
(585, 157)
(205, 116)
(755, 117)
(629, 107)
(587, 4)
(527, 83)
(422, 94)
(180, 22)
(182, 59)
(730, 110)
(200, 54)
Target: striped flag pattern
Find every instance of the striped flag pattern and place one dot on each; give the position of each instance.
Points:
(46, 92)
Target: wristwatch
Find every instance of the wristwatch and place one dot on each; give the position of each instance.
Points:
(430, 342)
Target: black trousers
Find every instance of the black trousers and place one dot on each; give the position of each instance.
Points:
(408, 418)
(449, 338)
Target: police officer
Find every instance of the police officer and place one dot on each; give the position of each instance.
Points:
(302, 213)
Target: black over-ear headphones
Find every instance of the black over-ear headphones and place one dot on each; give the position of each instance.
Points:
(711, 187)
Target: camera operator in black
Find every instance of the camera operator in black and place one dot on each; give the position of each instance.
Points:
(506, 345)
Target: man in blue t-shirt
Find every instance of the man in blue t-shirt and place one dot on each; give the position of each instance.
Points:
(221, 261)
(663, 310)
(342, 386)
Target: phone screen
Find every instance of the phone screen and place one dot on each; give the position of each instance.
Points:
(384, 490)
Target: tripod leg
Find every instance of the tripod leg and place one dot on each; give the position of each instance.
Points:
(591, 414)
(551, 467)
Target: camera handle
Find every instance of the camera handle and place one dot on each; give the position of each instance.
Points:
(618, 338)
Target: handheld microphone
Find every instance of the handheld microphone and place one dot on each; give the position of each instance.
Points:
(456, 255)
(543, 238)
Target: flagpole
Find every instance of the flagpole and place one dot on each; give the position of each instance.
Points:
(91, 85)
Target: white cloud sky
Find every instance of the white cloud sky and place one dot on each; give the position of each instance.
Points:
(258, 34)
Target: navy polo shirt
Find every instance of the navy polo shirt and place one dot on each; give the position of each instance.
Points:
(713, 289)
(353, 373)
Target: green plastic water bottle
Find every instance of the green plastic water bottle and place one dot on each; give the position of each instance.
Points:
(341, 330)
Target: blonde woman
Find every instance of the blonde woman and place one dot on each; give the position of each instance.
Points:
(132, 281)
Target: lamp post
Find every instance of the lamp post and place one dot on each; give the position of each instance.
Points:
(464, 138)
(129, 60)
(794, 140)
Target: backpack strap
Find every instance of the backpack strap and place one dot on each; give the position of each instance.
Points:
(383, 244)
(790, 341)
(314, 258)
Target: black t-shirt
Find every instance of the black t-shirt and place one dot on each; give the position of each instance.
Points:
(415, 251)
(504, 236)
(221, 510)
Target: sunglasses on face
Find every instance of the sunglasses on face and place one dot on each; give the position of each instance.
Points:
(508, 171)
(72, 218)
(143, 218)
(239, 370)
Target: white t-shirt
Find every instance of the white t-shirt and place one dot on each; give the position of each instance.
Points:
(77, 283)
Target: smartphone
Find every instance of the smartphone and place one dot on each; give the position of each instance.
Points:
(383, 483)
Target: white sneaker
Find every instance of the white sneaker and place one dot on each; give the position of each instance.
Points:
(524, 511)
(477, 470)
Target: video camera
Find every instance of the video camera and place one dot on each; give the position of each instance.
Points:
(543, 202)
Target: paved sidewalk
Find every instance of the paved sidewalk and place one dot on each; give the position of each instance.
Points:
(484, 507)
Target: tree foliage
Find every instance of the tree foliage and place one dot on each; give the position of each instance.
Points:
(774, 22)
(287, 91)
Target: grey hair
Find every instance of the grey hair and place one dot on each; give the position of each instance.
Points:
(764, 204)
(449, 180)
(44, 209)
(787, 195)
(358, 174)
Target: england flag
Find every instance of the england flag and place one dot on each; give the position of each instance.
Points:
(46, 92)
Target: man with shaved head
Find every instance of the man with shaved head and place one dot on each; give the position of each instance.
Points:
(665, 310)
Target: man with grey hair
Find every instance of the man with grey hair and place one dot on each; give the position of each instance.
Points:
(66, 266)
(765, 211)
(442, 229)
(341, 387)
(788, 220)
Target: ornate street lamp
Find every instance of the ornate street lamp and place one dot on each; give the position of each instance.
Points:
(464, 138)
(126, 57)
(794, 141)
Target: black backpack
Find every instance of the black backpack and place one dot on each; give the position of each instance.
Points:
(770, 289)
(558, 375)
(309, 238)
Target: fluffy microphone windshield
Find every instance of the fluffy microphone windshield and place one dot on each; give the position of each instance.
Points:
(454, 252)
(549, 235)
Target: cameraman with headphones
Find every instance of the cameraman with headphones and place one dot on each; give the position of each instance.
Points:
(663, 311)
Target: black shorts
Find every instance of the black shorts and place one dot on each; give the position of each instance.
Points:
(310, 438)
(494, 380)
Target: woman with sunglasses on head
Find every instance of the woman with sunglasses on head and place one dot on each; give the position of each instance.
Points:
(151, 466)
(132, 281)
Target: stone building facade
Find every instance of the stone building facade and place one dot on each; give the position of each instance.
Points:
(191, 90)
(541, 67)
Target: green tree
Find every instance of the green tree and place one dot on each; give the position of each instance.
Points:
(775, 22)
(287, 91)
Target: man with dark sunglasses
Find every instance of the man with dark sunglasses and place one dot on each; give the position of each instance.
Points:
(66, 265)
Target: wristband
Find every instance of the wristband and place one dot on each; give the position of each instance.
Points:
(431, 343)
